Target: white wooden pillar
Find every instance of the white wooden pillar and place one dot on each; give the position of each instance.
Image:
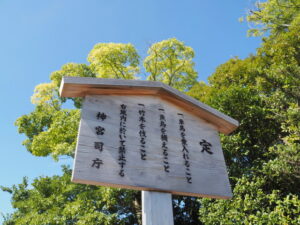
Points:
(157, 208)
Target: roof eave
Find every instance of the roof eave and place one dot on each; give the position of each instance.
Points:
(82, 86)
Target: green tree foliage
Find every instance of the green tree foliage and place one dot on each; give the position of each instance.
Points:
(263, 93)
(263, 154)
(252, 205)
(111, 60)
(55, 200)
(171, 62)
(275, 16)
(51, 130)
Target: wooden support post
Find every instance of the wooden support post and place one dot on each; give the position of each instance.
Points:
(157, 208)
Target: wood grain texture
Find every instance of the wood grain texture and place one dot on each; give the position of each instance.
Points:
(83, 86)
(157, 208)
(208, 171)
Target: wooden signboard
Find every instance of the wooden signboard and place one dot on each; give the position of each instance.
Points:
(148, 136)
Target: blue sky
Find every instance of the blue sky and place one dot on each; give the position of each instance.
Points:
(38, 37)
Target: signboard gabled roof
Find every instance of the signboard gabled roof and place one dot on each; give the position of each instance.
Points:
(82, 86)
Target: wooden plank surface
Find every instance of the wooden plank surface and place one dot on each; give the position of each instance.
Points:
(157, 208)
(83, 86)
(207, 171)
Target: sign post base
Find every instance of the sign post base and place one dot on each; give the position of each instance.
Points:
(157, 208)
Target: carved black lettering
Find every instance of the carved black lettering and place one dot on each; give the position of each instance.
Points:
(185, 151)
(206, 146)
(98, 145)
(122, 139)
(142, 131)
(164, 139)
(97, 162)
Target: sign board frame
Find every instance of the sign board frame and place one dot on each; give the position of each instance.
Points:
(127, 89)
